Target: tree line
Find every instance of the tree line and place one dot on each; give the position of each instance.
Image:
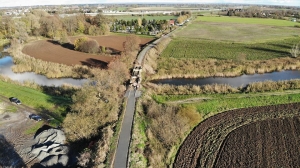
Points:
(259, 13)
(139, 25)
(41, 23)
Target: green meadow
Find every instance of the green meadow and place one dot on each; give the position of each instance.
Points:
(36, 99)
(240, 20)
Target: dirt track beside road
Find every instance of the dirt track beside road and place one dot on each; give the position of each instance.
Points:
(16, 144)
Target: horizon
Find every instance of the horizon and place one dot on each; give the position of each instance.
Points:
(21, 3)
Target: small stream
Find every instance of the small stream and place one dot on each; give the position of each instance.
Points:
(6, 62)
(239, 81)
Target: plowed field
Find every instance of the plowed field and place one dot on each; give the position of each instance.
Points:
(50, 51)
(252, 137)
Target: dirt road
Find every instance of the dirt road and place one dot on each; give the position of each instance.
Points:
(15, 144)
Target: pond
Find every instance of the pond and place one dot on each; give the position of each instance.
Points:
(6, 62)
(239, 81)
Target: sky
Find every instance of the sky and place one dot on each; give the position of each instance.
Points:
(9, 3)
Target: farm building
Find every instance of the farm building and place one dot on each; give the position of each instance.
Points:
(172, 22)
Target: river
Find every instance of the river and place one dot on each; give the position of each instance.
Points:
(6, 62)
(239, 81)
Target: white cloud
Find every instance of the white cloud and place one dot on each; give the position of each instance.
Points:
(5, 3)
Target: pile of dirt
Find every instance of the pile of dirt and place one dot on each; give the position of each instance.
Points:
(50, 148)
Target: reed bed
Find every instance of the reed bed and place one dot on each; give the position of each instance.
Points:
(26, 63)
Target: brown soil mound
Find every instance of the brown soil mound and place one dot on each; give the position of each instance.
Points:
(251, 137)
(48, 50)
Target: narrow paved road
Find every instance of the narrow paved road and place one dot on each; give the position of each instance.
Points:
(121, 157)
(122, 152)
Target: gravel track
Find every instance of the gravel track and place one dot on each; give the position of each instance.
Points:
(12, 128)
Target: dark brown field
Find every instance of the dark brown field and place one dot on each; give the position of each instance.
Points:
(252, 137)
(51, 51)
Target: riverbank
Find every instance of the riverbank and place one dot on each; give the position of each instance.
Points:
(26, 63)
(192, 68)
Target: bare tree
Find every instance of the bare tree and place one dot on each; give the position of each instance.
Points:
(295, 50)
(132, 43)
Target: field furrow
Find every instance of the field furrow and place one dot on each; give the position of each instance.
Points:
(251, 137)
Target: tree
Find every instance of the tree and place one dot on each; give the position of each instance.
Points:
(101, 22)
(139, 22)
(9, 26)
(20, 31)
(64, 38)
(132, 43)
(33, 22)
(50, 25)
(295, 51)
(70, 23)
(90, 112)
(40, 13)
(94, 30)
(90, 46)
(78, 42)
(144, 22)
(80, 27)
(87, 45)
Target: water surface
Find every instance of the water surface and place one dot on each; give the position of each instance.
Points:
(232, 81)
(6, 62)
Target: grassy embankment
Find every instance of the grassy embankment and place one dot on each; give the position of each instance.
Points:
(213, 48)
(210, 104)
(49, 106)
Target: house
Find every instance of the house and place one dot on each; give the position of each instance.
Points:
(172, 22)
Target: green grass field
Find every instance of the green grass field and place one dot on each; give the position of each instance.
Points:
(183, 48)
(259, 21)
(214, 103)
(234, 46)
(237, 32)
(36, 99)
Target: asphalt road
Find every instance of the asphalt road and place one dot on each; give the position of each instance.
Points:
(122, 152)
(121, 157)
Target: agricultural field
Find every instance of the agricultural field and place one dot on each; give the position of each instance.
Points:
(204, 49)
(163, 8)
(214, 48)
(234, 126)
(240, 20)
(50, 51)
(129, 17)
(244, 138)
(234, 29)
(271, 143)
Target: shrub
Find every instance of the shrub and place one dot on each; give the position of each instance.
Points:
(103, 49)
(64, 38)
(78, 42)
(86, 45)
(90, 46)
(190, 113)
